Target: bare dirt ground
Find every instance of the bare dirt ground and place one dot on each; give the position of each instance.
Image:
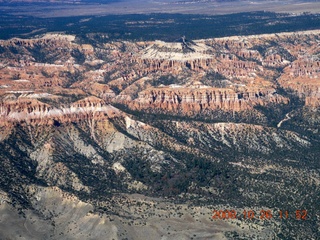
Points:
(167, 6)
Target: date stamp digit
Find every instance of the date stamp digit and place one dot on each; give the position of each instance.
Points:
(262, 215)
(227, 214)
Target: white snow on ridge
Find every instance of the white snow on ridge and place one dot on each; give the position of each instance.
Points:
(21, 80)
(56, 112)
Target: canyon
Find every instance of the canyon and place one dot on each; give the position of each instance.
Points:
(127, 139)
(232, 74)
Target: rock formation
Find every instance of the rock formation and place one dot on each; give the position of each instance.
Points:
(196, 100)
(34, 111)
(231, 73)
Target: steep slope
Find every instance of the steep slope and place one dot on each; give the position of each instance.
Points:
(80, 169)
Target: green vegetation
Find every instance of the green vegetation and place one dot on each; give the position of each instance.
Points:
(214, 79)
(166, 80)
(115, 27)
(201, 178)
(79, 57)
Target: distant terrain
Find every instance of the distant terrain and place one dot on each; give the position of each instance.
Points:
(167, 27)
(43, 8)
(56, 1)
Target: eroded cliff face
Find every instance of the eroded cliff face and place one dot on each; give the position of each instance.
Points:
(179, 99)
(303, 76)
(231, 74)
(248, 63)
(31, 110)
